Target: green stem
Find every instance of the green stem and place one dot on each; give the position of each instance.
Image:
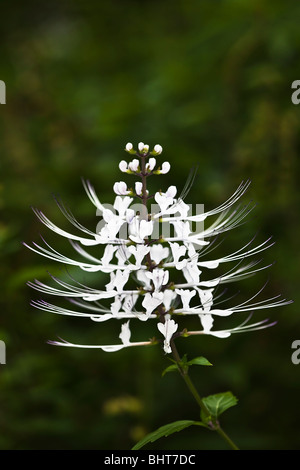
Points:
(215, 426)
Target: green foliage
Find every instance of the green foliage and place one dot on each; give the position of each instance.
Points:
(199, 361)
(217, 404)
(184, 364)
(165, 431)
(210, 82)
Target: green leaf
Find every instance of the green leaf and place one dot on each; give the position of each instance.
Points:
(217, 404)
(165, 431)
(199, 361)
(169, 369)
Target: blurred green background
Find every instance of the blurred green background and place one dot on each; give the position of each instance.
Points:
(211, 82)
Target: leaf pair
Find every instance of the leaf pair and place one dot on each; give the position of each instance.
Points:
(216, 405)
(184, 364)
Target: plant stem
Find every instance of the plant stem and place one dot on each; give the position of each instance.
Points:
(215, 426)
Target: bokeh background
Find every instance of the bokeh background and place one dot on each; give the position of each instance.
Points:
(210, 82)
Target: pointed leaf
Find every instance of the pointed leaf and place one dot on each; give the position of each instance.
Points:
(217, 404)
(199, 361)
(170, 369)
(165, 431)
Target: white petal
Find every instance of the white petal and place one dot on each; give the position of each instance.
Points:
(123, 166)
(146, 228)
(108, 254)
(165, 168)
(158, 253)
(158, 149)
(186, 296)
(159, 278)
(138, 188)
(167, 329)
(151, 302)
(120, 188)
(151, 164)
(177, 252)
(125, 334)
(139, 252)
(134, 165)
(169, 296)
(171, 192)
(209, 264)
(121, 204)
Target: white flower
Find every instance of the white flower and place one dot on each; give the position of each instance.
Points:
(109, 252)
(129, 147)
(186, 296)
(120, 188)
(121, 205)
(157, 149)
(118, 279)
(139, 252)
(168, 297)
(123, 166)
(143, 148)
(149, 276)
(167, 329)
(164, 200)
(125, 334)
(177, 252)
(159, 277)
(158, 253)
(206, 298)
(151, 302)
(165, 168)
(191, 272)
(207, 322)
(134, 165)
(151, 164)
(139, 229)
(138, 188)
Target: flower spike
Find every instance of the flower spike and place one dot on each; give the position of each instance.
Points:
(155, 261)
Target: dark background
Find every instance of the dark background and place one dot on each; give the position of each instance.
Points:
(210, 82)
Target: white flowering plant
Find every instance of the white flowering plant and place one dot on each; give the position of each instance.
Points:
(156, 267)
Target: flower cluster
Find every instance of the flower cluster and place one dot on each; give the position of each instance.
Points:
(152, 275)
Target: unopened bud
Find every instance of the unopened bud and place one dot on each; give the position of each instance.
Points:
(143, 148)
(129, 147)
(151, 164)
(123, 166)
(134, 165)
(158, 149)
(165, 168)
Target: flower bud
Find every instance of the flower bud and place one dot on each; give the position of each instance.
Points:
(138, 188)
(123, 166)
(158, 149)
(129, 147)
(165, 168)
(120, 188)
(151, 164)
(134, 165)
(143, 148)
